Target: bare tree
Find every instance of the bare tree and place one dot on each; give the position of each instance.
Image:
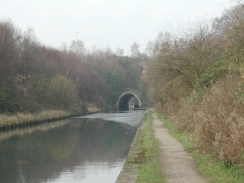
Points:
(9, 37)
(78, 48)
(135, 53)
(28, 50)
(149, 49)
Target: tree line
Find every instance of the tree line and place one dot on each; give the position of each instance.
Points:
(34, 77)
(196, 78)
(196, 57)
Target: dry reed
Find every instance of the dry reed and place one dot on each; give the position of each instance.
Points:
(5, 119)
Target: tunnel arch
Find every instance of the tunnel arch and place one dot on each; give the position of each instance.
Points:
(123, 100)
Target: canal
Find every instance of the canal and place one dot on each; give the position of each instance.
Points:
(85, 149)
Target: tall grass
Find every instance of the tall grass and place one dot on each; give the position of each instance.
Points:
(4, 119)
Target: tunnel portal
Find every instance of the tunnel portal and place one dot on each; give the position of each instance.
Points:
(124, 99)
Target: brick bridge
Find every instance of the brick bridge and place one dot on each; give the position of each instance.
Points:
(123, 100)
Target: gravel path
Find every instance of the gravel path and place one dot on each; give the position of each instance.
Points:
(177, 165)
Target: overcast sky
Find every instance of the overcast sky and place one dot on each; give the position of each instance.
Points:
(113, 23)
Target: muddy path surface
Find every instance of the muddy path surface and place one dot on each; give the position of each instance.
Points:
(177, 165)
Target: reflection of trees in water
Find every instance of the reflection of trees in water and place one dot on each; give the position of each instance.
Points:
(42, 154)
(41, 127)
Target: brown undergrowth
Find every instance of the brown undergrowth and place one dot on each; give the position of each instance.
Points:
(5, 119)
(216, 118)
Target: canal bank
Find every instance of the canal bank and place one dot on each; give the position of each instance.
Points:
(155, 156)
(178, 162)
(129, 172)
(20, 121)
(142, 163)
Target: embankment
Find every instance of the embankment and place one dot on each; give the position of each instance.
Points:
(19, 121)
(142, 162)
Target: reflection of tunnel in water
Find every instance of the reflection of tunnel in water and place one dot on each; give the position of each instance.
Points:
(126, 100)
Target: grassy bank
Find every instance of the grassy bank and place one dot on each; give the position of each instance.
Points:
(45, 114)
(21, 117)
(23, 120)
(216, 170)
(143, 156)
(149, 166)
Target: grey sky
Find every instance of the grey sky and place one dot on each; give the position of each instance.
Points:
(105, 23)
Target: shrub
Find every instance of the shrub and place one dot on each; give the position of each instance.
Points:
(211, 75)
(61, 91)
(7, 101)
(217, 120)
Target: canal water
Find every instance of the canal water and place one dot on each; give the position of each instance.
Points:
(87, 149)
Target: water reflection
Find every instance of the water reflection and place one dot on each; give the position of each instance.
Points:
(89, 173)
(131, 118)
(80, 150)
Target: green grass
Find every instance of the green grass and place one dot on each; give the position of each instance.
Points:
(148, 159)
(208, 164)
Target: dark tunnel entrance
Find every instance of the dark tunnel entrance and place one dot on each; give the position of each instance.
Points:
(127, 101)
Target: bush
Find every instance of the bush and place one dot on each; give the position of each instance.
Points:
(7, 101)
(211, 75)
(216, 120)
(61, 92)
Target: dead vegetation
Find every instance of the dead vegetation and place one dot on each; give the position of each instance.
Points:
(198, 81)
(20, 117)
(217, 120)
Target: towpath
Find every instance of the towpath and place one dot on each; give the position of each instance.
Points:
(177, 165)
